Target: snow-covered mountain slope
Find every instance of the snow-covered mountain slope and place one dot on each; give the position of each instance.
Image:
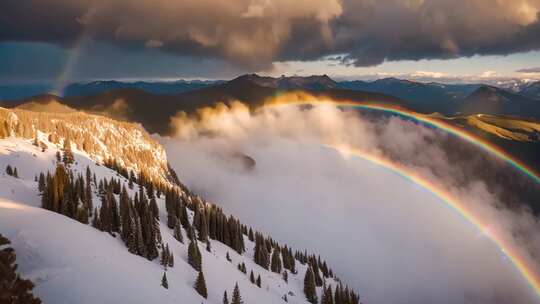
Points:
(102, 139)
(72, 262)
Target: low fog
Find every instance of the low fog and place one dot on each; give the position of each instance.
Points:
(390, 239)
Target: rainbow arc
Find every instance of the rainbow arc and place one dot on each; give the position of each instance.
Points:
(522, 263)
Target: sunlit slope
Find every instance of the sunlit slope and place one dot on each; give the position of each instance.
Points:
(505, 127)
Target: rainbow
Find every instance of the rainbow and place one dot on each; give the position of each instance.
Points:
(522, 263)
(71, 61)
(424, 119)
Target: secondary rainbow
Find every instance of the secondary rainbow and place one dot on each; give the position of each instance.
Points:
(521, 263)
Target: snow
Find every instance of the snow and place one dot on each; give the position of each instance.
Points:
(70, 262)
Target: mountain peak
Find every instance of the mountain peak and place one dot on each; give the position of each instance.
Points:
(313, 82)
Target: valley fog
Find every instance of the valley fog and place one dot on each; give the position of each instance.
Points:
(395, 241)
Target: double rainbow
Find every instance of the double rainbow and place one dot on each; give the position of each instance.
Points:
(522, 263)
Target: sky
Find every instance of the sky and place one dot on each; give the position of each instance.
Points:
(42, 41)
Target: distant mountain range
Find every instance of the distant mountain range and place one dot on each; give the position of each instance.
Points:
(153, 103)
(426, 97)
(97, 87)
(154, 110)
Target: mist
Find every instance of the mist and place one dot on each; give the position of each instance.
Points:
(390, 239)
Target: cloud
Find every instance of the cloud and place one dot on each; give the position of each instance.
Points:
(529, 70)
(255, 33)
(392, 240)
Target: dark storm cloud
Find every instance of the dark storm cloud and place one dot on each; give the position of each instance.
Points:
(254, 33)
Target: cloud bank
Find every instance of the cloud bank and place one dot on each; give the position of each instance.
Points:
(392, 240)
(529, 70)
(255, 33)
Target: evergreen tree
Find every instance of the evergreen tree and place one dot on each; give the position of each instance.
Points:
(309, 286)
(13, 289)
(327, 297)
(194, 255)
(208, 246)
(236, 297)
(225, 298)
(258, 282)
(171, 259)
(9, 170)
(41, 182)
(178, 232)
(15, 173)
(276, 261)
(203, 226)
(164, 282)
(200, 285)
(252, 277)
(164, 259)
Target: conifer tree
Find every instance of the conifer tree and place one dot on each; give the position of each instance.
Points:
(178, 232)
(258, 282)
(194, 255)
(203, 226)
(164, 259)
(236, 297)
(171, 259)
(200, 285)
(276, 261)
(164, 282)
(251, 277)
(41, 182)
(13, 289)
(225, 298)
(327, 297)
(309, 286)
(15, 173)
(132, 233)
(9, 170)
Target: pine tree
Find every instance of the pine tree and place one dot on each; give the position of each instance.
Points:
(251, 277)
(200, 285)
(13, 289)
(15, 173)
(164, 282)
(258, 282)
(178, 232)
(41, 182)
(309, 286)
(236, 297)
(194, 255)
(225, 298)
(171, 259)
(208, 246)
(203, 226)
(164, 259)
(327, 297)
(276, 261)
(9, 170)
